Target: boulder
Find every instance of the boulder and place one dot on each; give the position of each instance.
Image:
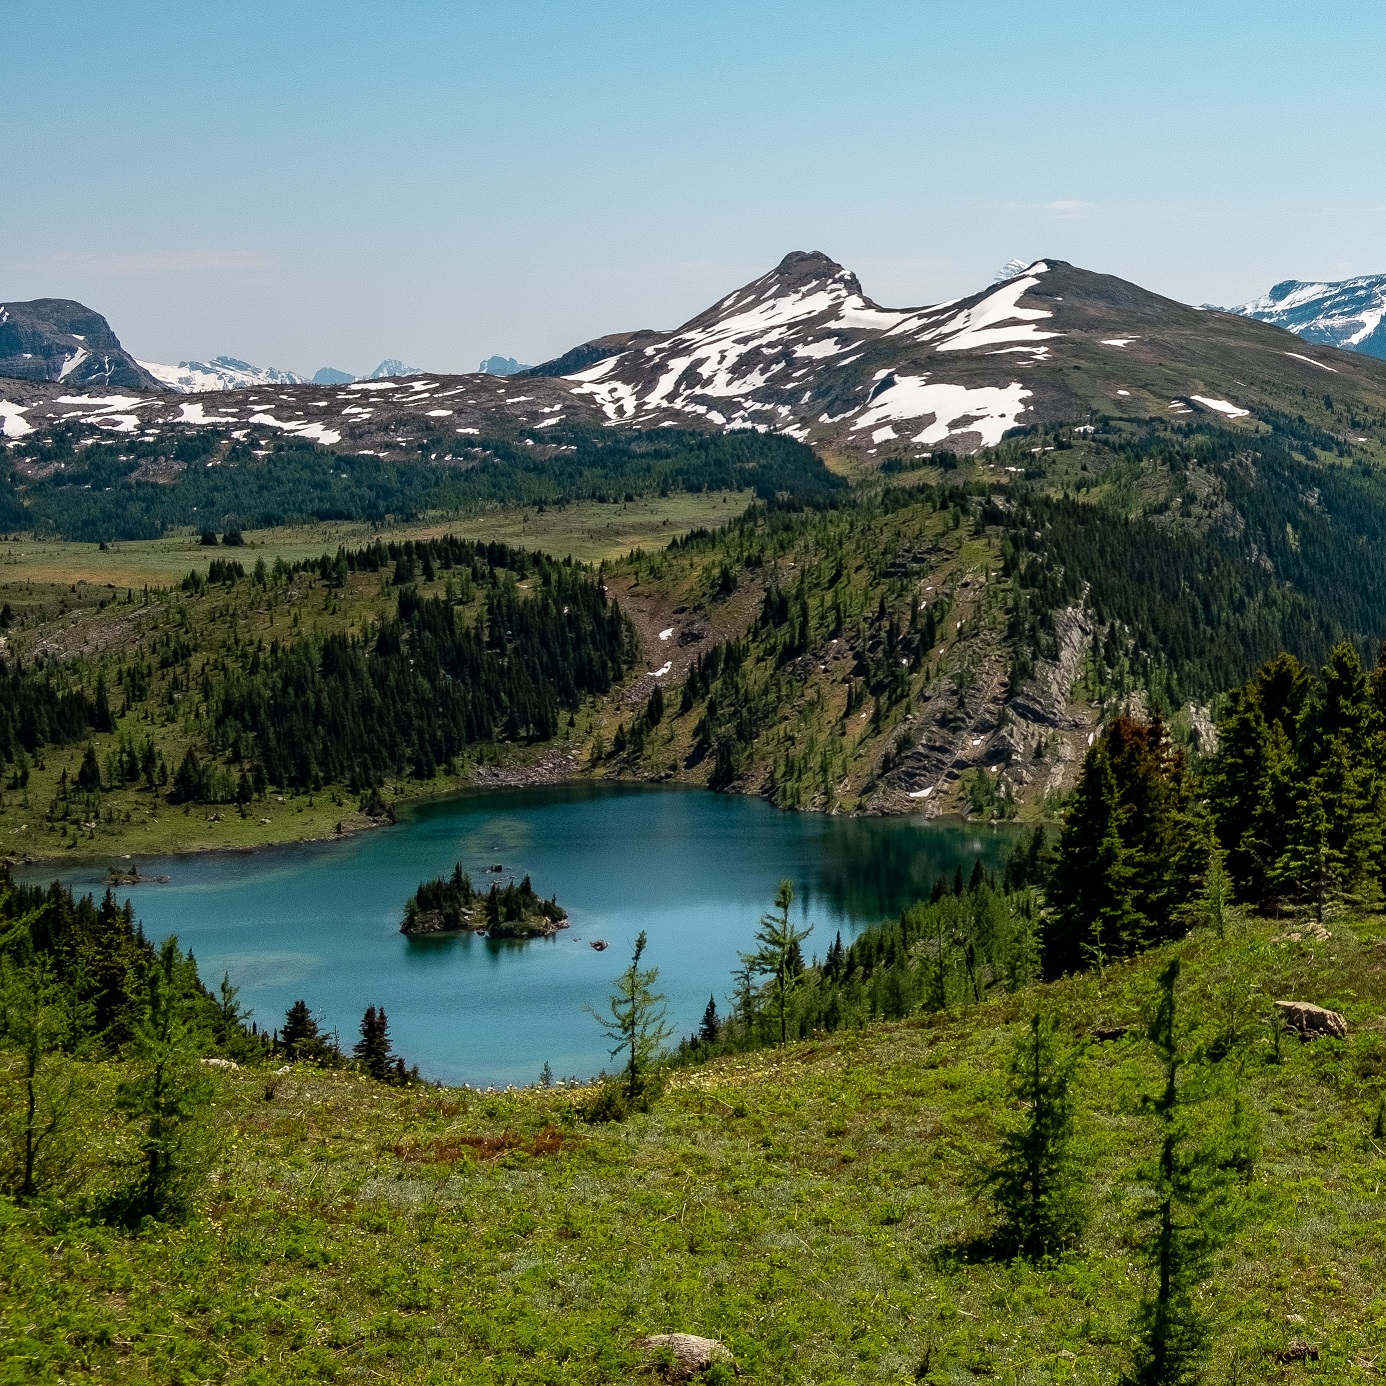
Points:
(230, 1065)
(685, 1355)
(1310, 1021)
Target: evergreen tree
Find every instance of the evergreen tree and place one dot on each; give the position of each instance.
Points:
(1035, 1182)
(37, 1020)
(711, 1024)
(1093, 912)
(1172, 1333)
(779, 955)
(372, 1050)
(168, 1095)
(89, 772)
(637, 1021)
(301, 1039)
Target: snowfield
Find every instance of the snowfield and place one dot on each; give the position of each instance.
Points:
(987, 411)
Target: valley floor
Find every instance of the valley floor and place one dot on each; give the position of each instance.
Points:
(810, 1207)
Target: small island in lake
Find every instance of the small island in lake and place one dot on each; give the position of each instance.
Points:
(451, 904)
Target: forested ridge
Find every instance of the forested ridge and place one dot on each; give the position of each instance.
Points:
(417, 689)
(846, 637)
(139, 488)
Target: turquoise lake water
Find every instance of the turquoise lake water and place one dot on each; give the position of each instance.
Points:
(694, 869)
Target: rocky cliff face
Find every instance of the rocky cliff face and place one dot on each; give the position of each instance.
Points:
(58, 339)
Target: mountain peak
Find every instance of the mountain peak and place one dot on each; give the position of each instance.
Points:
(61, 339)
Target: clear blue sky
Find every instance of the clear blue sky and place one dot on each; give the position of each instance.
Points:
(329, 184)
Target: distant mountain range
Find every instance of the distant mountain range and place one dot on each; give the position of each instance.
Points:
(227, 373)
(220, 373)
(800, 351)
(1350, 313)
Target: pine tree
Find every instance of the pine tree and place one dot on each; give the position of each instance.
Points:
(775, 957)
(300, 1037)
(89, 772)
(1035, 1183)
(1094, 916)
(39, 1019)
(372, 1050)
(1172, 1334)
(711, 1024)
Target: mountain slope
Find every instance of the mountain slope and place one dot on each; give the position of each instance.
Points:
(802, 351)
(1350, 313)
(60, 339)
(812, 1207)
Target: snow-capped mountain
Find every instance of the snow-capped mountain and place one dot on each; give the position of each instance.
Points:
(803, 352)
(501, 365)
(220, 373)
(392, 367)
(1349, 313)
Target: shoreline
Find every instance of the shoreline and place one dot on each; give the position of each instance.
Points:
(550, 770)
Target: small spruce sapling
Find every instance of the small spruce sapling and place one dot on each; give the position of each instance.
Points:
(1035, 1183)
(169, 1094)
(779, 954)
(37, 1020)
(1184, 1216)
(638, 1020)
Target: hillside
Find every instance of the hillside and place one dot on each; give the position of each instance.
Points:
(811, 1208)
(941, 640)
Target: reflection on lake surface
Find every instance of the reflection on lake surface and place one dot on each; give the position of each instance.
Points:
(694, 869)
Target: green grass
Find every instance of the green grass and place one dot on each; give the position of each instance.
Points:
(588, 530)
(808, 1207)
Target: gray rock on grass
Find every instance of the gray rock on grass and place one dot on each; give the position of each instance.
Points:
(1310, 1021)
(690, 1355)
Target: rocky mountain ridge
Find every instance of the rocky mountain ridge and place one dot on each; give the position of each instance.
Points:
(802, 352)
(59, 339)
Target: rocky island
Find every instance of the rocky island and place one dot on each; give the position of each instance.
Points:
(451, 904)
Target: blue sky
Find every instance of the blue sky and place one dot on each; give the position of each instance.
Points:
(329, 184)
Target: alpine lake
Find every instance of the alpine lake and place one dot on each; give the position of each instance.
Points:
(694, 869)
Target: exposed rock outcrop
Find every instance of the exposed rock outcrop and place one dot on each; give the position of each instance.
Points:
(684, 1354)
(1311, 1021)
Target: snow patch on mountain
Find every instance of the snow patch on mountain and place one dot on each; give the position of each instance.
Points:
(13, 424)
(978, 326)
(1220, 406)
(987, 411)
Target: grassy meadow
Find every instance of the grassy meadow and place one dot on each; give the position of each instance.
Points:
(589, 531)
(809, 1206)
